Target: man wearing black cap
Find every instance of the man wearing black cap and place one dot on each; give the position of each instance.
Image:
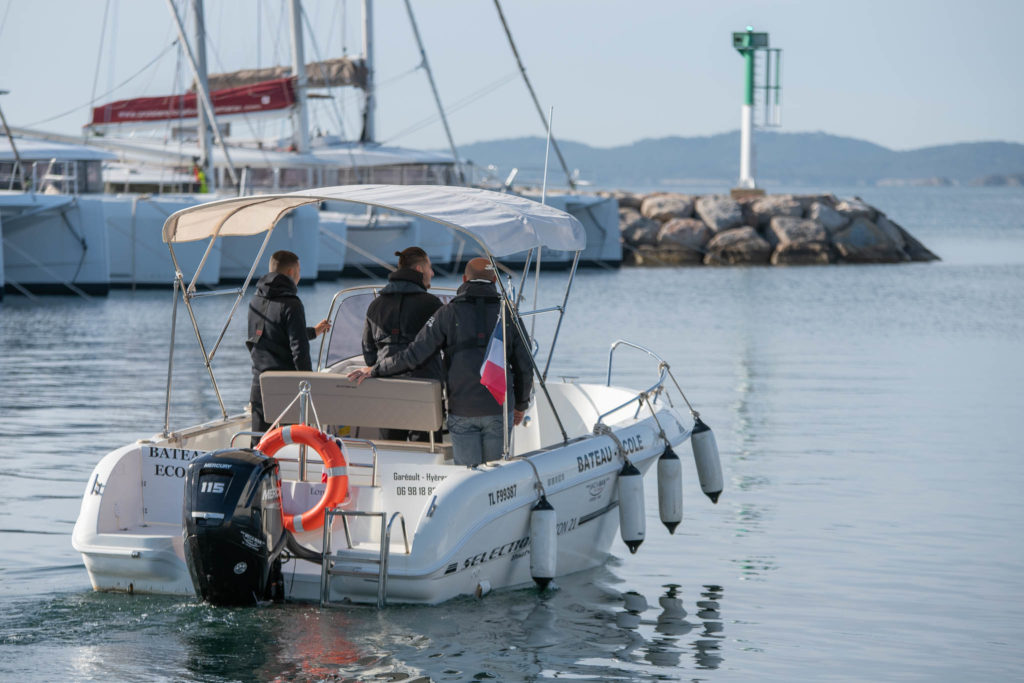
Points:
(462, 329)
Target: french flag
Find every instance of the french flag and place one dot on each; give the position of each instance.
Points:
(492, 372)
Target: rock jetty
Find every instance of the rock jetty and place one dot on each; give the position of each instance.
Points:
(670, 229)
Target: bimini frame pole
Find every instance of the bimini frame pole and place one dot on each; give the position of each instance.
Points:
(561, 312)
(187, 294)
(504, 364)
(187, 298)
(526, 340)
(242, 290)
(170, 356)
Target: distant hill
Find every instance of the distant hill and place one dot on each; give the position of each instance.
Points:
(789, 158)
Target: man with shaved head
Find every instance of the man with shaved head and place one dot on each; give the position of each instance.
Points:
(462, 329)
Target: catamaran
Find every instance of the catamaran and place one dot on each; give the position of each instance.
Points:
(195, 511)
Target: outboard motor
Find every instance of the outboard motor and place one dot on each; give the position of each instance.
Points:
(233, 530)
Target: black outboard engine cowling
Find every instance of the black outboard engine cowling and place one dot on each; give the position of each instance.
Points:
(233, 530)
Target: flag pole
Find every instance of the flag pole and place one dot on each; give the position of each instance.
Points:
(504, 362)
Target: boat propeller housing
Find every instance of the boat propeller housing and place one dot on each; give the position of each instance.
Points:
(233, 529)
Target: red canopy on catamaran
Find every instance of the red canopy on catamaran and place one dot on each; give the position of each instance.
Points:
(266, 96)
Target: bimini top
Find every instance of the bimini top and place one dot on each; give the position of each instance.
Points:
(502, 223)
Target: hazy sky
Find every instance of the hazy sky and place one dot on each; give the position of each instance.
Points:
(901, 73)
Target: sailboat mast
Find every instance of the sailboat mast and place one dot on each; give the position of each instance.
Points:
(204, 94)
(301, 116)
(369, 108)
(203, 118)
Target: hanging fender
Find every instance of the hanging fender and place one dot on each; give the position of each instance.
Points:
(334, 465)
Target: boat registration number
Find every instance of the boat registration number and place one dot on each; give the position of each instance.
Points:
(502, 495)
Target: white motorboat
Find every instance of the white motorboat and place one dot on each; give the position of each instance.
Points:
(399, 521)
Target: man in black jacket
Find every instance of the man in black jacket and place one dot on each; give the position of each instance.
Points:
(278, 336)
(394, 318)
(462, 329)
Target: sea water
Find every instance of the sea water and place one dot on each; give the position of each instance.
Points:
(869, 420)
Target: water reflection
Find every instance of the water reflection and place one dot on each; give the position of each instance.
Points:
(663, 647)
(752, 568)
(708, 648)
(584, 629)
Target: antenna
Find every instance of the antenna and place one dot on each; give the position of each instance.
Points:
(547, 153)
(543, 200)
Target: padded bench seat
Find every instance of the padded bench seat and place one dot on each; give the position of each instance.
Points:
(389, 403)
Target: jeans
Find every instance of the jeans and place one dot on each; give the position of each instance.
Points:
(476, 440)
(259, 424)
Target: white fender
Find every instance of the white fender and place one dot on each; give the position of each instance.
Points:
(705, 456)
(632, 522)
(543, 542)
(670, 489)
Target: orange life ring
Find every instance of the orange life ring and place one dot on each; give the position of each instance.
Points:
(334, 464)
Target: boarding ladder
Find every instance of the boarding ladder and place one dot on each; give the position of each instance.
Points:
(327, 569)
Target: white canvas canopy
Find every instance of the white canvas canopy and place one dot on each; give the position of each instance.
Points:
(503, 223)
(37, 149)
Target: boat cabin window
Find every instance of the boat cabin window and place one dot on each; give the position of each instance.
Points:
(66, 177)
(90, 176)
(296, 177)
(10, 179)
(399, 174)
(258, 177)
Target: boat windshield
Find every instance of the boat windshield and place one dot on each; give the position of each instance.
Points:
(346, 336)
(347, 327)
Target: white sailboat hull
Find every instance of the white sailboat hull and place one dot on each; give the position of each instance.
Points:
(298, 232)
(600, 219)
(54, 240)
(138, 255)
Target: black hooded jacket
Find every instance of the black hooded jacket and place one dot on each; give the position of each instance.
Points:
(281, 342)
(462, 328)
(395, 317)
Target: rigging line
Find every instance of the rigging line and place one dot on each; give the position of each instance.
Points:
(112, 90)
(320, 58)
(112, 60)
(178, 85)
(381, 84)
(533, 95)
(347, 99)
(99, 52)
(334, 17)
(3, 22)
(469, 99)
(245, 117)
(277, 36)
(464, 102)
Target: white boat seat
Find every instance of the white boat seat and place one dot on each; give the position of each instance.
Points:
(390, 403)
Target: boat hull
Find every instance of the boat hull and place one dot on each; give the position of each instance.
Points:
(54, 243)
(298, 232)
(468, 528)
(138, 256)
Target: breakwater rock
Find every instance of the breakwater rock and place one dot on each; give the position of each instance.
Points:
(670, 229)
